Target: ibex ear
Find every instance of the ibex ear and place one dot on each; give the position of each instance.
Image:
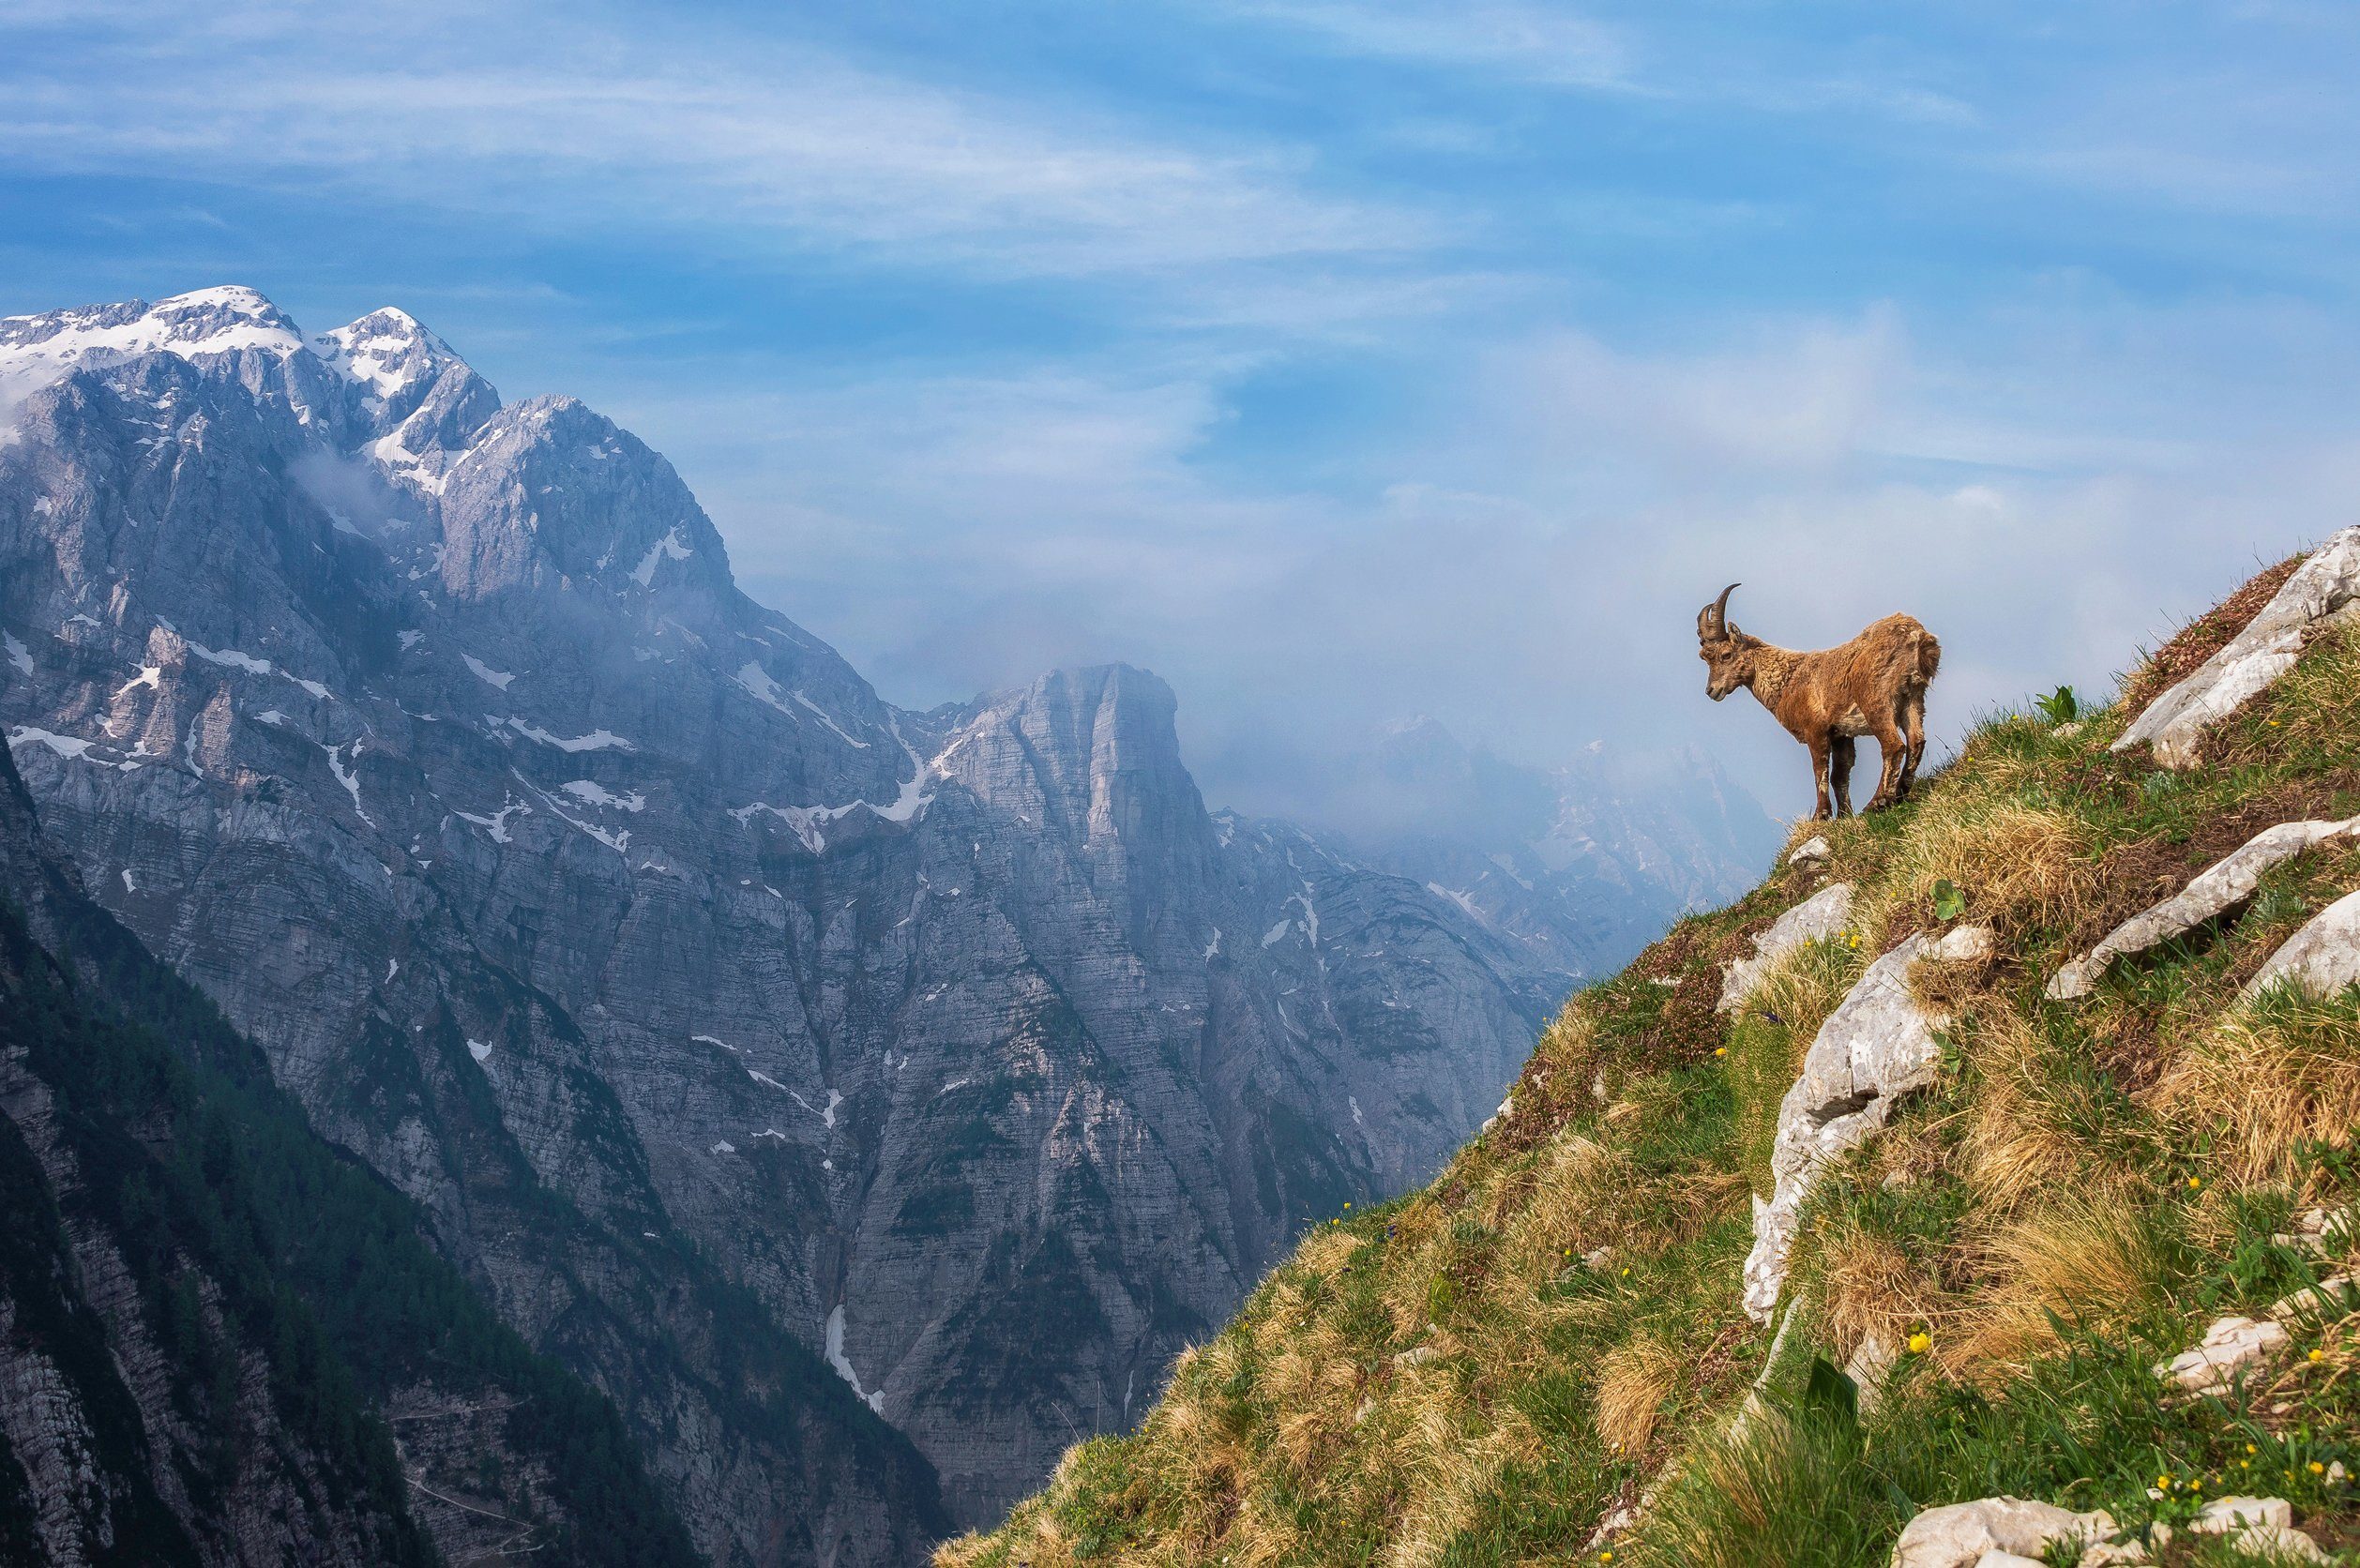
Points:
(1704, 625)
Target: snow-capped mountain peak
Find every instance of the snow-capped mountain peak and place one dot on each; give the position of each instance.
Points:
(206, 327)
(387, 352)
(35, 350)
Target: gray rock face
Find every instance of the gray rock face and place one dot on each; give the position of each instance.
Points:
(89, 1386)
(1877, 1045)
(2267, 648)
(1821, 917)
(615, 919)
(2323, 958)
(2220, 887)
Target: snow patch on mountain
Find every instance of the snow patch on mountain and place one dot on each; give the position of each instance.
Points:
(668, 547)
(488, 676)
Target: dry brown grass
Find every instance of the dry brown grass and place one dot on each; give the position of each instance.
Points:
(2097, 1264)
(2264, 1080)
(2025, 1134)
(1449, 1471)
(1742, 1470)
(1634, 1380)
(2019, 865)
(1870, 1287)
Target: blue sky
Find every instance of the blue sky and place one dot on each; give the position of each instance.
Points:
(1339, 362)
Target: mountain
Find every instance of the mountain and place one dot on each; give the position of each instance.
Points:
(866, 1101)
(1979, 1188)
(220, 1342)
(1582, 865)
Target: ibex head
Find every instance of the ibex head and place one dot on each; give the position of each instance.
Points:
(1727, 653)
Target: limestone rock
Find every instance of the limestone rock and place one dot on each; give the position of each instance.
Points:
(1823, 914)
(2223, 1515)
(2334, 1297)
(2226, 883)
(1876, 1046)
(2278, 1543)
(2118, 1554)
(1961, 1535)
(1815, 847)
(2319, 1230)
(2228, 1347)
(2323, 957)
(1872, 1362)
(2174, 722)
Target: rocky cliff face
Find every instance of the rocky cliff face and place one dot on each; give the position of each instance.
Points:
(222, 1343)
(620, 924)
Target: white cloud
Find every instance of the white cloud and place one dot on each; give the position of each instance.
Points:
(546, 116)
(1527, 42)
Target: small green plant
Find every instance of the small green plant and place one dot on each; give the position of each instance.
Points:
(2276, 905)
(2058, 706)
(1950, 900)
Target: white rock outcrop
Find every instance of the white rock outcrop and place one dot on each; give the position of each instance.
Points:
(1877, 1045)
(2321, 1230)
(2228, 882)
(2258, 1527)
(2277, 1543)
(1966, 1534)
(2331, 1300)
(2266, 649)
(1823, 914)
(2323, 957)
(1812, 848)
(2229, 1346)
(2223, 1515)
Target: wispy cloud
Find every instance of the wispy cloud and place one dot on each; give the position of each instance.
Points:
(1660, 57)
(1527, 42)
(549, 114)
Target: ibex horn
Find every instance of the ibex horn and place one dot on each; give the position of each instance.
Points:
(1720, 609)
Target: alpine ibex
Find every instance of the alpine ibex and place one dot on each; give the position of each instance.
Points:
(1874, 685)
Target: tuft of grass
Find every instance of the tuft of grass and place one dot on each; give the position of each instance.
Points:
(1634, 1382)
(2267, 1079)
(2019, 865)
(2070, 1264)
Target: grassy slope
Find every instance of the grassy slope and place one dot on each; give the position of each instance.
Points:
(1445, 1380)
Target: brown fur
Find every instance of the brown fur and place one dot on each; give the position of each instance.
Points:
(1874, 685)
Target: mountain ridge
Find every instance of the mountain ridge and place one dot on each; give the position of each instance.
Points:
(431, 737)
